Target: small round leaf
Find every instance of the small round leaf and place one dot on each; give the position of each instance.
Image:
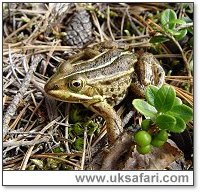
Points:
(179, 127)
(150, 94)
(181, 34)
(145, 108)
(164, 99)
(165, 122)
(167, 16)
(182, 111)
(177, 101)
(161, 135)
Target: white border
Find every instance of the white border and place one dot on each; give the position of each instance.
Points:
(76, 178)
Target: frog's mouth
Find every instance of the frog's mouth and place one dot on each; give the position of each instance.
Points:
(62, 95)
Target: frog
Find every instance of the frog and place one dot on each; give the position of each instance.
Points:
(100, 76)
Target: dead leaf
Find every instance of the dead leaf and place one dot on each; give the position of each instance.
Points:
(158, 159)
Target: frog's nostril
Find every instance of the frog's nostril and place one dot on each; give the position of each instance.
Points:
(48, 87)
(55, 87)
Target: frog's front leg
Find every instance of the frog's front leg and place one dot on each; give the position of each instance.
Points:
(113, 121)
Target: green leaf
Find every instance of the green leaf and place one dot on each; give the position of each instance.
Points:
(78, 129)
(158, 39)
(177, 101)
(190, 30)
(179, 126)
(161, 135)
(177, 21)
(182, 111)
(181, 34)
(173, 32)
(78, 144)
(165, 121)
(167, 16)
(145, 108)
(150, 93)
(146, 124)
(164, 99)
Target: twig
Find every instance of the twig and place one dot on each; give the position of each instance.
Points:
(180, 78)
(28, 153)
(184, 95)
(18, 118)
(12, 143)
(57, 158)
(41, 48)
(127, 118)
(84, 149)
(125, 38)
(168, 56)
(20, 29)
(108, 23)
(184, 26)
(97, 24)
(33, 113)
(12, 65)
(67, 128)
(18, 97)
(137, 32)
(122, 23)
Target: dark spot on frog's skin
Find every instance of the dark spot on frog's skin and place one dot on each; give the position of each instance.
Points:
(127, 82)
(121, 95)
(160, 74)
(112, 89)
(114, 96)
(107, 83)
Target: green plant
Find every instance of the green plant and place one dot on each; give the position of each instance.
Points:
(171, 27)
(164, 113)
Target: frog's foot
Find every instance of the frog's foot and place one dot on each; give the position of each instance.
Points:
(138, 89)
(147, 72)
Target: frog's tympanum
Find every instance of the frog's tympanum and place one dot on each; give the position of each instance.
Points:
(100, 77)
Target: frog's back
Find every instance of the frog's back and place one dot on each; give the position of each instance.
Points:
(109, 74)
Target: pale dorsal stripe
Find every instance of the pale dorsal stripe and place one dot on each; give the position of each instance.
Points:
(109, 62)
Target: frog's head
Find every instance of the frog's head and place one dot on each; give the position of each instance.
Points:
(67, 85)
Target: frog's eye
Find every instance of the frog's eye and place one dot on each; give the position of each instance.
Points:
(76, 84)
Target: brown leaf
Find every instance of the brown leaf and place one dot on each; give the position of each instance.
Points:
(158, 159)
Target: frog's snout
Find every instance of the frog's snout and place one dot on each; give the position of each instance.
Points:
(49, 87)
